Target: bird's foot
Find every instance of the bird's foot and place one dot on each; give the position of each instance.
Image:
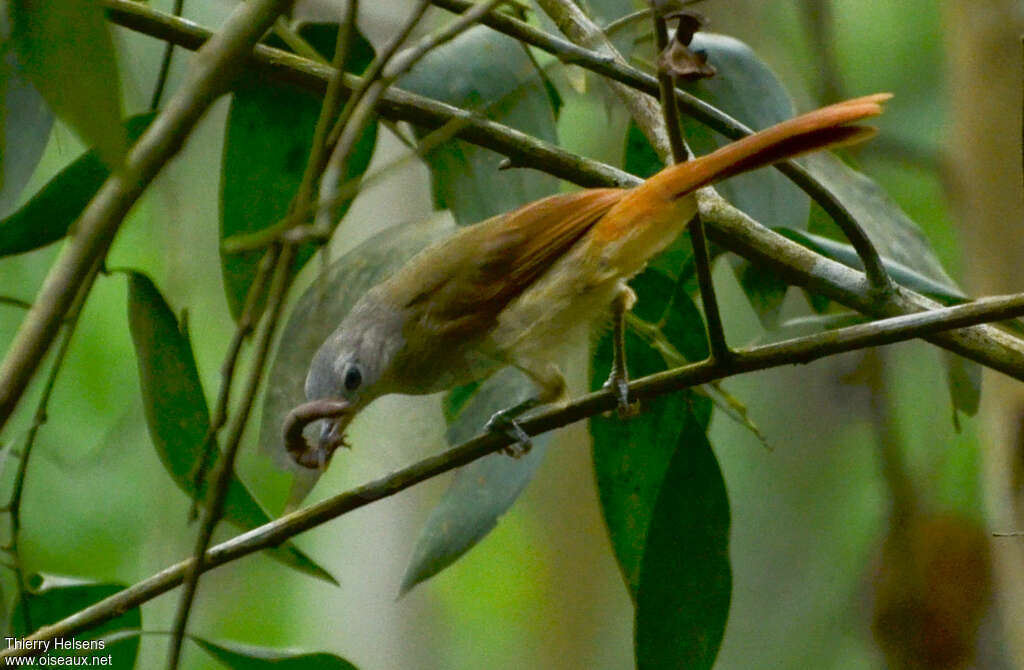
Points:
(504, 423)
(619, 385)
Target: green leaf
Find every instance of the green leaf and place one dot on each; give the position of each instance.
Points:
(765, 290)
(455, 400)
(68, 53)
(747, 89)
(685, 579)
(268, 138)
(942, 288)
(893, 233)
(632, 456)
(25, 123)
(491, 74)
(59, 597)
(963, 377)
(319, 311)
(480, 492)
(249, 657)
(46, 217)
(177, 414)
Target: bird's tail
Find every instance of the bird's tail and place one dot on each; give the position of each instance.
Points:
(823, 128)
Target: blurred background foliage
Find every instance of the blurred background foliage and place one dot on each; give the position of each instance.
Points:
(818, 549)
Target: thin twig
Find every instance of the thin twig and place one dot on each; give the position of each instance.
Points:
(355, 116)
(165, 63)
(226, 466)
(330, 108)
(788, 352)
(283, 31)
(727, 226)
(284, 230)
(213, 71)
(717, 345)
(389, 72)
(820, 21)
(15, 302)
(246, 322)
(13, 507)
(644, 109)
(599, 62)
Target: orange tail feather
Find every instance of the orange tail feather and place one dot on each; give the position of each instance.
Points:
(823, 128)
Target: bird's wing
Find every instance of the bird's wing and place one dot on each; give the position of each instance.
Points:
(464, 283)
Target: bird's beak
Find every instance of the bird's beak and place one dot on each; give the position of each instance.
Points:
(333, 417)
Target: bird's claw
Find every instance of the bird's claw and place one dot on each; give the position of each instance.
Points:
(619, 385)
(502, 423)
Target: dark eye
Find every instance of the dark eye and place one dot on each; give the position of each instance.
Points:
(353, 378)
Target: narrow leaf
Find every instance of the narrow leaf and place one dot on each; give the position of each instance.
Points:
(46, 217)
(60, 597)
(963, 377)
(685, 579)
(632, 456)
(249, 657)
(482, 491)
(68, 53)
(25, 123)
(267, 143)
(491, 74)
(177, 414)
(894, 233)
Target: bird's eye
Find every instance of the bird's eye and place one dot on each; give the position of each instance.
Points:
(353, 378)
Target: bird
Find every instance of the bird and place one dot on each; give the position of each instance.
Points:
(515, 288)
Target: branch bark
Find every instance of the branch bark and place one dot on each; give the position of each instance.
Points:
(215, 68)
(727, 226)
(788, 352)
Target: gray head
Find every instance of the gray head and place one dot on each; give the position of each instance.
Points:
(354, 363)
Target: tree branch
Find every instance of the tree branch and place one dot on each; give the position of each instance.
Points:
(726, 225)
(798, 350)
(215, 67)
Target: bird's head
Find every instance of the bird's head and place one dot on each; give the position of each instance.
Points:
(349, 370)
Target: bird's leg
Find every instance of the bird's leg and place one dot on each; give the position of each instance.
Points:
(552, 388)
(618, 380)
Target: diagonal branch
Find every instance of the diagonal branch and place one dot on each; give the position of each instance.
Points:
(212, 73)
(727, 226)
(582, 31)
(799, 350)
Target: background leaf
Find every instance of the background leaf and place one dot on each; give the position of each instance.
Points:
(25, 122)
(893, 233)
(268, 138)
(747, 89)
(60, 597)
(941, 289)
(491, 74)
(68, 53)
(685, 584)
(46, 217)
(319, 311)
(249, 657)
(631, 456)
(177, 414)
(482, 491)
